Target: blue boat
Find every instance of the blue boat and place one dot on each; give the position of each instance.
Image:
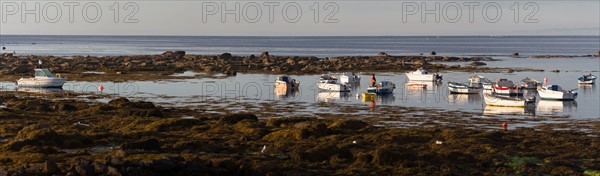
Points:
(383, 87)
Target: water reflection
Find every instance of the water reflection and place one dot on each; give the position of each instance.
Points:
(587, 89)
(464, 98)
(284, 93)
(499, 110)
(554, 107)
(41, 90)
(329, 97)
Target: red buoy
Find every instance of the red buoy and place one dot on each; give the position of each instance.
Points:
(504, 125)
(100, 88)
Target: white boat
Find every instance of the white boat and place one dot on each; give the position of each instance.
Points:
(423, 75)
(330, 83)
(587, 79)
(43, 79)
(461, 88)
(529, 83)
(383, 87)
(349, 78)
(478, 80)
(286, 82)
(487, 85)
(555, 92)
(506, 87)
(492, 100)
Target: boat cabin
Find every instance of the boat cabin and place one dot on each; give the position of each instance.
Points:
(553, 88)
(43, 73)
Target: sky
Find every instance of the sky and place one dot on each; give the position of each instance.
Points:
(300, 18)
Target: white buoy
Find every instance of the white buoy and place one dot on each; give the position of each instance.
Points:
(438, 142)
(264, 149)
(354, 142)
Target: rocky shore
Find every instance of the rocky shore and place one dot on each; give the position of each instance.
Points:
(65, 134)
(151, 67)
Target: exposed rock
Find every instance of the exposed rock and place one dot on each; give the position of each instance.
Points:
(22, 69)
(50, 168)
(349, 125)
(264, 54)
(515, 54)
(433, 53)
(477, 63)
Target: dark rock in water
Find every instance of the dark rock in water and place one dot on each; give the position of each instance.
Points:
(264, 54)
(3, 48)
(555, 71)
(515, 54)
(145, 144)
(234, 118)
(382, 54)
(225, 56)
(22, 69)
(179, 54)
(164, 165)
(50, 168)
(477, 63)
(510, 70)
(349, 125)
(433, 53)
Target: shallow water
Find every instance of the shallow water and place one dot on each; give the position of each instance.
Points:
(313, 46)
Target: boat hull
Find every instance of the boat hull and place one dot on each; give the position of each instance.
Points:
(556, 95)
(587, 82)
(508, 91)
(417, 77)
(380, 91)
(462, 89)
(499, 101)
(41, 82)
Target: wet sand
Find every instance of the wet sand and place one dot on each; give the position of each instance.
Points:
(74, 134)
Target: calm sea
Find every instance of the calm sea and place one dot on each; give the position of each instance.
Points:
(314, 46)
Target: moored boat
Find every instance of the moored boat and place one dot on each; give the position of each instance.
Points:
(423, 75)
(506, 87)
(383, 87)
(529, 83)
(493, 100)
(43, 79)
(286, 82)
(477, 80)
(330, 83)
(349, 78)
(461, 88)
(587, 79)
(555, 92)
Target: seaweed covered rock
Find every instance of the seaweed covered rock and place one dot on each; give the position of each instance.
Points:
(234, 118)
(29, 104)
(302, 130)
(144, 144)
(283, 122)
(139, 109)
(349, 125)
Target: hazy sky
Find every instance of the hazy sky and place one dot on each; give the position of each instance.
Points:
(350, 17)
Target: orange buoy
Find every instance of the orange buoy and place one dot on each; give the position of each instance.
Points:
(100, 88)
(504, 125)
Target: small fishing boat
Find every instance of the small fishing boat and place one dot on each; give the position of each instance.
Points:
(493, 100)
(349, 78)
(286, 82)
(506, 87)
(555, 92)
(587, 79)
(529, 83)
(423, 75)
(477, 80)
(383, 87)
(460, 88)
(487, 85)
(43, 79)
(330, 83)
